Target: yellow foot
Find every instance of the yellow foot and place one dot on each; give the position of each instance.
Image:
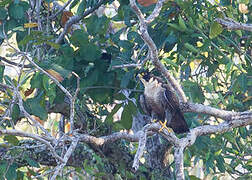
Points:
(163, 124)
(154, 120)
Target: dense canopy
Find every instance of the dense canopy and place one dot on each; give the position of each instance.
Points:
(69, 90)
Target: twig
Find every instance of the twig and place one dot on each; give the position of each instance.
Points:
(60, 10)
(155, 12)
(74, 19)
(66, 157)
(13, 63)
(126, 66)
(140, 149)
(33, 136)
(73, 103)
(36, 123)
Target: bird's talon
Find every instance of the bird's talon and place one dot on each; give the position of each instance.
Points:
(163, 124)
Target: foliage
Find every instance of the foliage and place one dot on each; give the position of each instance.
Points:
(213, 64)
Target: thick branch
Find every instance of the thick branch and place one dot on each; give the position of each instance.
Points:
(179, 162)
(200, 108)
(153, 52)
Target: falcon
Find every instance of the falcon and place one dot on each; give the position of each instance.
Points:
(159, 102)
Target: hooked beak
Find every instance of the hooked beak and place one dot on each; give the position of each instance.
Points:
(141, 79)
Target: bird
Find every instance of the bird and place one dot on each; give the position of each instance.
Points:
(162, 104)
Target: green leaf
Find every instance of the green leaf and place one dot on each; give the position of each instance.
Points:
(242, 80)
(81, 7)
(194, 91)
(3, 13)
(1, 73)
(192, 177)
(31, 162)
(12, 172)
(215, 30)
(127, 115)
(16, 11)
(5, 2)
(54, 45)
(182, 24)
(45, 81)
(191, 48)
(61, 70)
(239, 33)
(96, 25)
(79, 38)
(91, 79)
(35, 107)
(126, 79)
(220, 163)
(74, 3)
(90, 52)
(15, 113)
(51, 93)
(109, 118)
(36, 36)
(169, 61)
(125, 44)
(175, 26)
(11, 139)
(3, 166)
(36, 81)
(170, 42)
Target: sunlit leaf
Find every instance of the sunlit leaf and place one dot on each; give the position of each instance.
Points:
(215, 30)
(11, 139)
(30, 25)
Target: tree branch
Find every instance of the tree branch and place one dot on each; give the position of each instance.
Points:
(74, 19)
(233, 25)
(153, 52)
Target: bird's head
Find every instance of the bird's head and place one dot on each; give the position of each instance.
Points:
(150, 83)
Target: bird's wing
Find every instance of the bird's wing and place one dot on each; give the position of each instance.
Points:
(177, 121)
(146, 109)
(171, 101)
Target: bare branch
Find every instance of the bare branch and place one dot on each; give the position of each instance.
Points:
(153, 52)
(233, 25)
(73, 103)
(13, 63)
(200, 108)
(66, 157)
(36, 123)
(179, 162)
(140, 149)
(126, 66)
(33, 136)
(155, 12)
(60, 9)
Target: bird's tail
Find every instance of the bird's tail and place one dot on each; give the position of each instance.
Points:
(178, 123)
